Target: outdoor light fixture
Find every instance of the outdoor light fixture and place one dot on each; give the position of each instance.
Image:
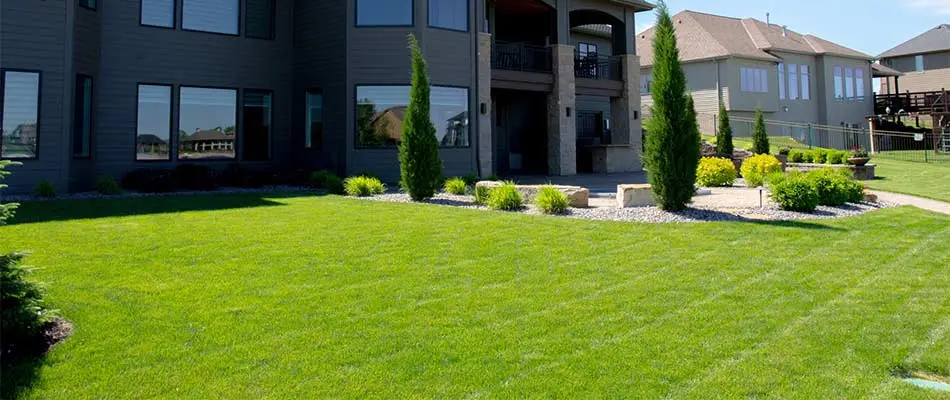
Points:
(568, 112)
(484, 108)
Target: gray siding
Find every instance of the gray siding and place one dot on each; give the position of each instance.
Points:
(87, 36)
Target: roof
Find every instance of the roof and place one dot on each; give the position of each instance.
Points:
(602, 30)
(880, 71)
(210, 134)
(936, 39)
(639, 5)
(704, 36)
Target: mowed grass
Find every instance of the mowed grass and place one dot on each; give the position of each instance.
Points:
(919, 179)
(241, 296)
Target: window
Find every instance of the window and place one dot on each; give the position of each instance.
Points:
(154, 130)
(919, 63)
(90, 4)
(19, 122)
(859, 83)
(585, 50)
(792, 81)
(839, 83)
(806, 83)
(380, 111)
(257, 113)
(158, 13)
(646, 83)
(314, 138)
(215, 16)
(207, 123)
(754, 80)
(259, 21)
(449, 14)
(781, 81)
(384, 12)
(82, 117)
(849, 82)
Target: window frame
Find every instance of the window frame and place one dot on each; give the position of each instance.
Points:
(859, 80)
(355, 104)
(237, 126)
(39, 110)
(919, 63)
(85, 4)
(837, 74)
(174, 16)
(240, 18)
(849, 80)
(412, 17)
(92, 114)
(308, 135)
(273, 22)
(172, 103)
(782, 94)
(794, 85)
(804, 77)
(240, 125)
(468, 17)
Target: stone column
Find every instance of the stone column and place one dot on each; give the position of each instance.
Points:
(562, 110)
(485, 123)
(627, 124)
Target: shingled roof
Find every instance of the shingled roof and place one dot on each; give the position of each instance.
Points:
(704, 36)
(934, 40)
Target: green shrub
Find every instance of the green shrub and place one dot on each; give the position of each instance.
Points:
(796, 156)
(715, 172)
(505, 197)
(760, 136)
(455, 186)
(419, 165)
(334, 185)
(106, 185)
(551, 201)
(362, 186)
(756, 168)
(794, 193)
(493, 178)
(819, 156)
(834, 188)
(150, 181)
(837, 157)
(724, 144)
(807, 157)
(6, 210)
(784, 151)
(318, 179)
(24, 313)
(481, 194)
(197, 177)
(45, 190)
(470, 179)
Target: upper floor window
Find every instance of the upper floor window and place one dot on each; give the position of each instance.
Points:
(859, 83)
(806, 83)
(754, 80)
(259, 19)
(849, 82)
(919, 63)
(839, 83)
(781, 81)
(646, 83)
(216, 16)
(585, 50)
(19, 121)
(158, 13)
(384, 12)
(449, 14)
(792, 81)
(90, 4)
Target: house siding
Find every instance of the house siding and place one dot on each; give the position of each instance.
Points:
(798, 110)
(835, 112)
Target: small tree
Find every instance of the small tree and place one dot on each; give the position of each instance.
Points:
(760, 136)
(6, 210)
(673, 142)
(724, 135)
(419, 163)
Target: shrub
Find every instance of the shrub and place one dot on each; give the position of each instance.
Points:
(470, 179)
(334, 185)
(419, 163)
(724, 144)
(24, 313)
(235, 175)
(493, 178)
(45, 190)
(807, 157)
(796, 156)
(481, 194)
(362, 186)
(106, 185)
(859, 152)
(318, 179)
(756, 168)
(6, 210)
(836, 157)
(455, 186)
(784, 151)
(834, 188)
(794, 193)
(760, 136)
(505, 197)
(551, 201)
(819, 156)
(715, 172)
(196, 177)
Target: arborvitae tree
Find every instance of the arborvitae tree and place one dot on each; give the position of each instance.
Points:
(419, 163)
(673, 140)
(724, 135)
(6, 210)
(760, 136)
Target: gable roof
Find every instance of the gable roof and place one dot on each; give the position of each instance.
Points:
(936, 39)
(704, 36)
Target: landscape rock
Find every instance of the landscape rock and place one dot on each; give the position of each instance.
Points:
(579, 197)
(635, 196)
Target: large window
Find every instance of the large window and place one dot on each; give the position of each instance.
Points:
(314, 138)
(153, 134)
(384, 12)
(19, 122)
(449, 14)
(257, 112)
(158, 13)
(754, 80)
(792, 81)
(207, 123)
(839, 83)
(259, 21)
(781, 81)
(82, 117)
(90, 4)
(380, 111)
(806, 82)
(859, 83)
(849, 82)
(216, 16)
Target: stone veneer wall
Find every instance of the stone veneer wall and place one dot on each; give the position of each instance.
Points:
(485, 149)
(562, 107)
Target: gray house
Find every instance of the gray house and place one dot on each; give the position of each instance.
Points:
(745, 63)
(104, 87)
(924, 62)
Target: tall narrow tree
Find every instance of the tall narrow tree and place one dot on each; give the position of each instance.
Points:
(760, 136)
(673, 141)
(6, 210)
(724, 145)
(419, 163)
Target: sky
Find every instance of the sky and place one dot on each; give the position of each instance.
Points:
(869, 26)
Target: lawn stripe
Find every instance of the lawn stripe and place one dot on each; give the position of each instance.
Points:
(886, 388)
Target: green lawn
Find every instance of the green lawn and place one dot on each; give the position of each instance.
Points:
(919, 179)
(244, 296)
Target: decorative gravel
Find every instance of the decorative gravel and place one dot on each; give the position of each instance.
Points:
(124, 195)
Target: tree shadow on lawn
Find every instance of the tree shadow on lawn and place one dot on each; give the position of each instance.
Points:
(19, 375)
(722, 216)
(73, 209)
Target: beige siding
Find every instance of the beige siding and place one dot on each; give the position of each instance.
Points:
(799, 109)
(847, 111)
(746, 101)
(928, 81)
(702, 82)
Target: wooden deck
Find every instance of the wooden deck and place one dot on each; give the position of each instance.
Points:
(926, 103)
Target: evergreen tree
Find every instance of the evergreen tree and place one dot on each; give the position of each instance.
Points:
(673, 140)
(760, 136)
(6, 210)
(724, 145)
(419, 163)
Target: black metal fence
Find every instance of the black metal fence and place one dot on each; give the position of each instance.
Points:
(597, 67)
(521, 57)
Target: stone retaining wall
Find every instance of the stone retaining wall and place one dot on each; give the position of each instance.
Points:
(861, 173)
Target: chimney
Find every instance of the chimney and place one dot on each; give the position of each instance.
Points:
(768, 19)
(784, 31)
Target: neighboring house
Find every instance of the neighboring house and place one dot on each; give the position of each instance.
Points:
(747, 63)
(924, 62)
(110, 83)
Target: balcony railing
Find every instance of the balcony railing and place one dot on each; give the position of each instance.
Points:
(521, 57)
(597, 67)
(920, 102)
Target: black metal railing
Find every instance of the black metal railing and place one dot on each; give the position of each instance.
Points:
(918, 102)
(597, 67)
(521, 57)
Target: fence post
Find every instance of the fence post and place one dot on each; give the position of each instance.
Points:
(871, 133)
(811, 135)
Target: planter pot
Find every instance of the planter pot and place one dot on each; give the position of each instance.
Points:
(859, 161)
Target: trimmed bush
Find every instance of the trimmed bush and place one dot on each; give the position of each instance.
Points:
(819, 156)
(419, 165)
(234, 175)
(794, 193)
(796, 156)
(724, 144)
(714, 172)
(493, 178)
(150, 181)
(362, 186)
(756, 168)
(551, 201)
(455, 186)
(45, 190)
(481, 194)
(505, 197)
(106, 185)
(834, 188)
(760, 135)
(784, 151)
(470, 179)
(328, 181)
(837, 157)
(197, 177)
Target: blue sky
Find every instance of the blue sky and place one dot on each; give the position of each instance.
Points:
(870, 26)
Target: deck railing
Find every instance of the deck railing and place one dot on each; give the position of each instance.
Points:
(597, 67)
(912, 102)
(525, 57)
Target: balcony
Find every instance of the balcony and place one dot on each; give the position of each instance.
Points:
(597, 67)
(521, 57)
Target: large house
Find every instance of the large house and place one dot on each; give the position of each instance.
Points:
(924, 63)
(747, 63)
(116, 85)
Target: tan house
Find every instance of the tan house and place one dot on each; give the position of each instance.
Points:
(745, 63)
(923, 60)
